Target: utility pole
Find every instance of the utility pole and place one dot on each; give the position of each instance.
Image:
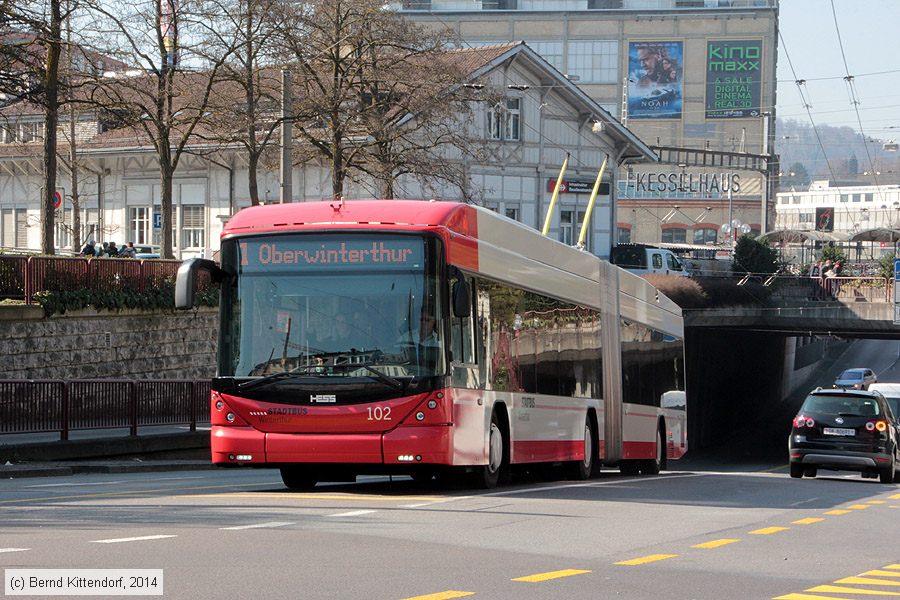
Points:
(286, 166)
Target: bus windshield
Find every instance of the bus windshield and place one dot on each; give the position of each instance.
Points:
(337, 305)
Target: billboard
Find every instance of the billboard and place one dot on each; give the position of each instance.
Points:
(733, 79)
(825, 218)
(655, 85)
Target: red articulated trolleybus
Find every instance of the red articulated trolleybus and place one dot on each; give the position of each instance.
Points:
(433, 338)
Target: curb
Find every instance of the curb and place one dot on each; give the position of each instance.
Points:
(35, 470)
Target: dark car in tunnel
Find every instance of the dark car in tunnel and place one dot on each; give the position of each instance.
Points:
(845, 430)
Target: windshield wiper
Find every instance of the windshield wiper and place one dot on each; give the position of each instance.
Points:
(379, 375)
(272, 377)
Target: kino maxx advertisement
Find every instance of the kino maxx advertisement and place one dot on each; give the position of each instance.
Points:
(733, 76)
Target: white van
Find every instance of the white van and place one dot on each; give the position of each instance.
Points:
(891, 393)
(642, 259)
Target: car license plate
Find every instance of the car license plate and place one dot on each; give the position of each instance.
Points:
(839, 431)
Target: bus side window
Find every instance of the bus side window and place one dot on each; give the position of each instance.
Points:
(462, 331)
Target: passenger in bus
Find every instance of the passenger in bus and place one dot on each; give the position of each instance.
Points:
(343, 336)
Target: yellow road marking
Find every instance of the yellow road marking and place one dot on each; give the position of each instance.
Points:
(768, 530)
(442, 595)
(808, 521)
(877, 502)
(715, 543)
(897, 567)
(895, 497)
(867, 581)
(838, 511)
(551, 575)
(646, 559)
(807, 597)
(837, 589)
(879, 573)
(858, 506)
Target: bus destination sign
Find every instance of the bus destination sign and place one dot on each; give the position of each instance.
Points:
(318, 253)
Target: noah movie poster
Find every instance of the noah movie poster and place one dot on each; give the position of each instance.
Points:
(655, 80)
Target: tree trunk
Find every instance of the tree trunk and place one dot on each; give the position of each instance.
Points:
(166, 174)
(51, 118)
(252, 165)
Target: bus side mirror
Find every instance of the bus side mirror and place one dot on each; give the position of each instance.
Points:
(462, 301)
(186, 280)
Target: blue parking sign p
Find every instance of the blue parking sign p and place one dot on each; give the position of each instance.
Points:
(157, 220)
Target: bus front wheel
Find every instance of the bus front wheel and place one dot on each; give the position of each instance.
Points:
(487, 476)
(298, 478)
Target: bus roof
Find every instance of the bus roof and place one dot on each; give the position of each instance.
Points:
(302, 215)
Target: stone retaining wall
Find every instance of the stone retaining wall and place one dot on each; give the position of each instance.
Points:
(89, 344)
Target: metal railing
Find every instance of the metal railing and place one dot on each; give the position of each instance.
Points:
(841, 289)
(33, 406)
(21, 277)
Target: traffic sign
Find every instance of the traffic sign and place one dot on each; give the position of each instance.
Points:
(57, 200)
(157, 220)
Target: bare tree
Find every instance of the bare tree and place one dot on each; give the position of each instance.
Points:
(371, 91)
(168, 95)
(30, 61)
(244, 111)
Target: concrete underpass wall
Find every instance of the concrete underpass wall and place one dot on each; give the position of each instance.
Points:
(733, 379)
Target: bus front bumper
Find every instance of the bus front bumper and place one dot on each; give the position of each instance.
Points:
(426, 444)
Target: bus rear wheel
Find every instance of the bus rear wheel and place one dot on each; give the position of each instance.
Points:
(298, 478)
(582, 469)
(653, 466)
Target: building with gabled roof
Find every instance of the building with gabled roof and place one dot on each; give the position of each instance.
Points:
(526, 119)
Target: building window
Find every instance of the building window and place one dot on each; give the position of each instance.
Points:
(138, 224)
(512, 213)
(623, 234)
(192, 226)
(504, 120)
(707, 235)
(552, 52)
(674, 235)
(593, 61)
(570, 228)
(21, 216)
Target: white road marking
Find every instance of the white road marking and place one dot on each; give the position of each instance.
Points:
(43, 485)
(258, 525)
(133, 539)
(2, 550)
(352, 513)
(441, 501)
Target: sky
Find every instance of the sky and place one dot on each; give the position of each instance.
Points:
(870, 33)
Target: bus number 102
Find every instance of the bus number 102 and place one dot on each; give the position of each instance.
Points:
(379, 413)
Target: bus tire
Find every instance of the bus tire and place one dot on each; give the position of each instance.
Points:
(487, 476)
(298, 478)
(582, 469)
(652, 466)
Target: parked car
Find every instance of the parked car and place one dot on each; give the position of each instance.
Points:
(642, 259)
(858, 378)
(891, 393)
(146, 251)
(846, 430)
